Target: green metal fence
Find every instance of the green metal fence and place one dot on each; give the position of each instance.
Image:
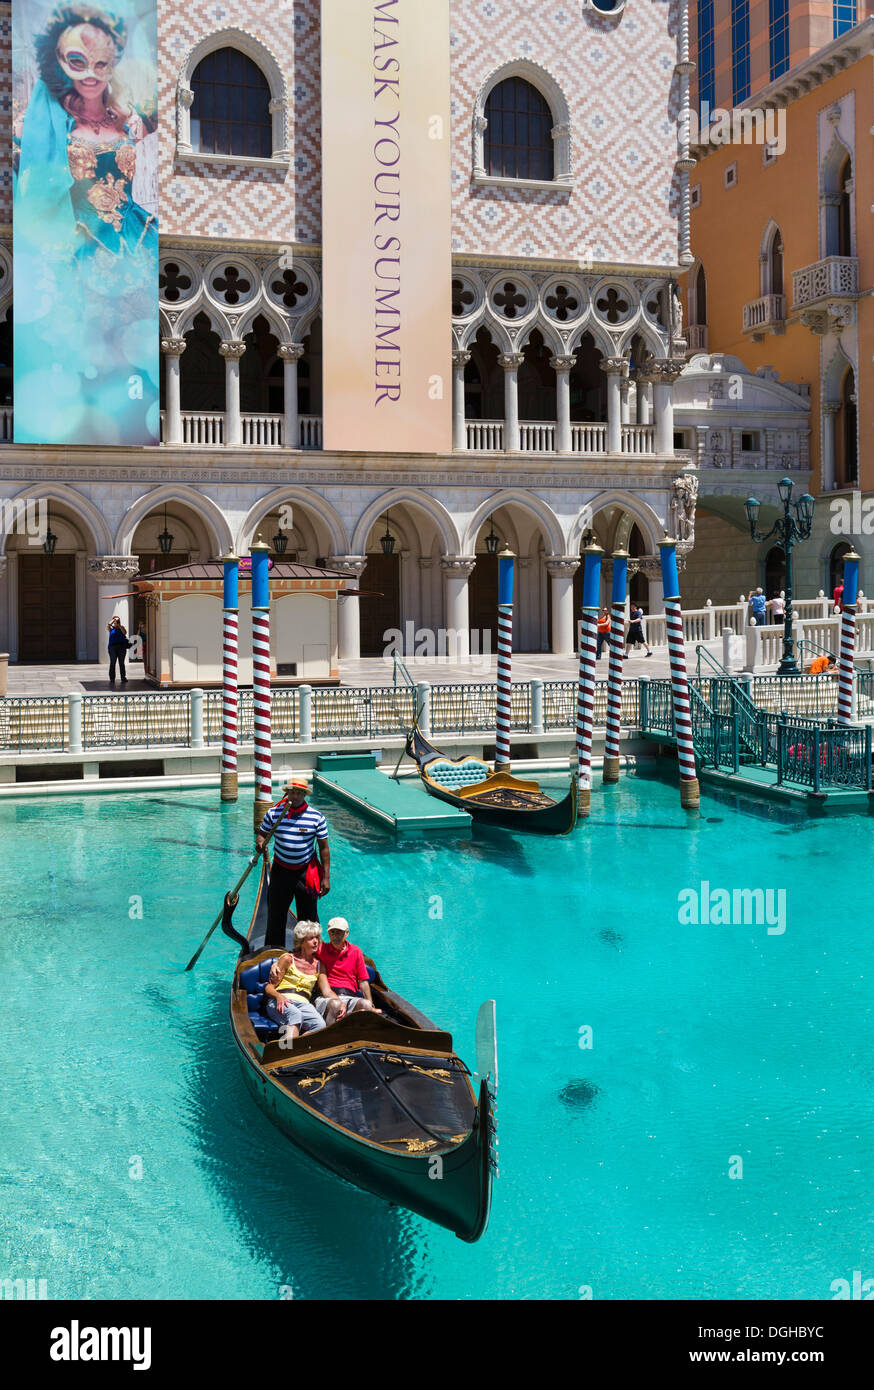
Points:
(31, 723)
(137, 721)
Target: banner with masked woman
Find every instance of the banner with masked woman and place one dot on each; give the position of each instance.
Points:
(85, 223)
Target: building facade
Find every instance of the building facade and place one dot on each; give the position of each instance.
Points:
(784, 260)
(569, 233)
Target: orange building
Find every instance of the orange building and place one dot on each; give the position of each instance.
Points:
(784, 248)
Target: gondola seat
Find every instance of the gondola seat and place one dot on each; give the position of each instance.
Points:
(453, 775)
(253, 980)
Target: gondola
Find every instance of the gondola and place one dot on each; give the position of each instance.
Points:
(491, 798)
(379, 1099)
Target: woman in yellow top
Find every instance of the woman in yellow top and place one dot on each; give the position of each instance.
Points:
(299, 996)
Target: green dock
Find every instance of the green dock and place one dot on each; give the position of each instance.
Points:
(403, 806)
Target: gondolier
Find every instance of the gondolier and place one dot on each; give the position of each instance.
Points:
(295, 873)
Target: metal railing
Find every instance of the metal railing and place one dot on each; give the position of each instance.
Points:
(31, 723)
(137, 721)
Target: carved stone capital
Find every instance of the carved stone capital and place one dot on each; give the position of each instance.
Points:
(816, 320)
(232, 350)
(173, 347)
(113, 569)
(563, 363)
(460, 357)
(561, 566)
(186, 97)
(458, 566)
(511, 361)
(352, 566)
(291, 352)
(480, 124)
(645, 564)
(665, 370)
(614, 366)
(830, 407)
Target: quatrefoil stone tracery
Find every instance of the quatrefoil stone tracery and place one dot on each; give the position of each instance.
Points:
(289, 289)
(612, 305)
(231, 285)
(173, 281)
(509, 300)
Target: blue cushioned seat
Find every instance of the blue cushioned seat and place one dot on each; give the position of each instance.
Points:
(452, 775)
(252, 980)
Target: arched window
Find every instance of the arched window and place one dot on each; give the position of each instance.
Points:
(845, 240)
(230, 113)
(518, 133)
(836, 565)
(776, 263)
(700, 296)
(846, 451)
(771, 260)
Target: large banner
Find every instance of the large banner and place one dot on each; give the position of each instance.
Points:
(386, 225)
(85, 222)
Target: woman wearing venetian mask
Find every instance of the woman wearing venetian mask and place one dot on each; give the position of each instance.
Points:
(93, 247)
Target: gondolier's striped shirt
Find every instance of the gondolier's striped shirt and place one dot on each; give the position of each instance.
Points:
(296, 837)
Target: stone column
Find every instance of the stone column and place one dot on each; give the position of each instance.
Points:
(561, 570)
(173, 349)
(664, 373)
(616, 368)
(624, 400)
(113, 574)
(291, 353)
(457, 570)
(828, 411)
(644, 398)
(460, 359)
(511, 362)
(562, 367)
(232, 352)
(348, 612)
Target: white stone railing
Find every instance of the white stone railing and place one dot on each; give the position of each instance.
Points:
(637, 439)
(262, 431)
(485, 436)
(537, 436)
(768, 309)
(202, 429)
(834, 275)
(589, 438)
(310, 433)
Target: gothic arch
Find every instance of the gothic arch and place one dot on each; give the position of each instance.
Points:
(208, 512)
(527, 502)
(82, 506)
(651, 526)
(264, 59)
(549, 88)
(309, 502)
(401, 496)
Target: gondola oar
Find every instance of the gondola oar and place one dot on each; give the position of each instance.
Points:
(234, 893)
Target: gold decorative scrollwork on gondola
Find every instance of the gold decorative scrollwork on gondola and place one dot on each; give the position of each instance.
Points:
(414, 1146)
(438, 1073)
(325, 1076)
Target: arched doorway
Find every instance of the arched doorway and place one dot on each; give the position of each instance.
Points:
(775, 572)
(170, 535)
(836, 566)
(51, 587)
(381, 585)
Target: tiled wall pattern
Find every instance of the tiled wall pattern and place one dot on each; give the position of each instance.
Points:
(617, 76)
(616, 72)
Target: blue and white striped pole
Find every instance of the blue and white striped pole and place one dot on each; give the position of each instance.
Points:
(614, 673)
(690, 796)
(847, 663)
(586, 682)
(505, 656)
(230, 684)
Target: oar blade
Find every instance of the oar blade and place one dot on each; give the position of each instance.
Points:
(487, 1044)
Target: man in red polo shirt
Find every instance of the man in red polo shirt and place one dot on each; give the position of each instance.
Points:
(344, 966)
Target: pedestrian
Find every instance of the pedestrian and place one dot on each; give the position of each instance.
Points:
(603, 631)
(118, 649)
(295, 873)
(758, 607)
(778, 608)
(838, 596)
(635, 629)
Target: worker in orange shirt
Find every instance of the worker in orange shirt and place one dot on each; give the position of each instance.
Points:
(822, 666)
(603, 630)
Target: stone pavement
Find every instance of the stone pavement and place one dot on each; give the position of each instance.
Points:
(91, 677)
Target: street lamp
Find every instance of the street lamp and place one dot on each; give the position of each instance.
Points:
(387, 541)
(492, 541)
(165, 540)
(788, 530)
(51, 539)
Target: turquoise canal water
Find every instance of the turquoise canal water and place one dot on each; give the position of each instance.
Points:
(709, 1043)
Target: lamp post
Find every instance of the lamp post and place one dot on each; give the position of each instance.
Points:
(788, 530)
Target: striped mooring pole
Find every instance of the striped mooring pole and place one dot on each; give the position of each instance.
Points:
(847, 663)
(614, 673)
(690, 796)
(586, 682)
(261, 677)
(505, 657)
(230, 690)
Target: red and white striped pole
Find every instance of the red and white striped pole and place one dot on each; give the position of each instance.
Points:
(690, 796)
(614, 673)
(586, 681)
(505, 657)
(230, 690)
(847, 663)
(261, 678)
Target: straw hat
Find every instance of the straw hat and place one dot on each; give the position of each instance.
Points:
(297, 779)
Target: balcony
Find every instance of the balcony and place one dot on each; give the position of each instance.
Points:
(209, 429)
(835, 277)
(538, 437)
(767, 314)
(697, 337)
